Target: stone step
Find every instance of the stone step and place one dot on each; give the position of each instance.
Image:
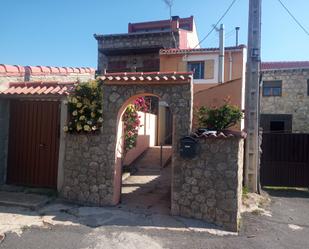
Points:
(150, 161)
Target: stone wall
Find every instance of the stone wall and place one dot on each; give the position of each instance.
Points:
(92, 172)
(294, 99)
(88, 178)
(4, 124)
(135, 46)
(5, 80)
(209, 186)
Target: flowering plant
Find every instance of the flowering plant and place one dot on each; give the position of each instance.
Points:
(132, 122)
(85, 108)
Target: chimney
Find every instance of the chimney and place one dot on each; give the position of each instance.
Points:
(175, 23)
(221, 55)
(237, 31)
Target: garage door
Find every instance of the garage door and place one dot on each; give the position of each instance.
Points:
(34, 143)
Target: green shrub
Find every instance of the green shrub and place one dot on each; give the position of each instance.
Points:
(85, 107)
(219, 118)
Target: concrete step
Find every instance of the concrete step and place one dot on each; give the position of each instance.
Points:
(150, 161)
(21, 199)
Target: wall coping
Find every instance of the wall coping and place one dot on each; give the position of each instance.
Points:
(221, 135)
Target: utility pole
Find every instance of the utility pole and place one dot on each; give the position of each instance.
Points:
(252, 166)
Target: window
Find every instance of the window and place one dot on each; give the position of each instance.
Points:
(272, 88)
(277, 126)
(197, 67)
(276, 123)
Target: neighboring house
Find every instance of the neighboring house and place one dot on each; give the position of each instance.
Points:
(284, 103)
(32, 114)
(204, 63)
(138, 50)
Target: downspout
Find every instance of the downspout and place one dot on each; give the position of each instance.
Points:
(231, 65)
(221, 55)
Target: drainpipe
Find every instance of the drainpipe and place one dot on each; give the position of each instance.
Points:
(221, 55)
(231, 65)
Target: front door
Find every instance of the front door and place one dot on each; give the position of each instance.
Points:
(33, 143)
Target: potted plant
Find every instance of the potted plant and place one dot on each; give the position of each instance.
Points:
(215, 120)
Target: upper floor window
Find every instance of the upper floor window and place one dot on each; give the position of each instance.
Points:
(272, 88)
(197, 67)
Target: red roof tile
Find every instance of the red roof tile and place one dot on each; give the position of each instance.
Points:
(197, 50)
(277, 65)
(147, 77)
(39, 88)
(11, 70)
(47, 70)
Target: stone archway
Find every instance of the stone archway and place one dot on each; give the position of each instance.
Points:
(96, 179)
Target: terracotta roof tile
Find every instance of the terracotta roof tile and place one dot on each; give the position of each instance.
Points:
(277, 65)
(197, 50)
(147, 77)
(11, 70)
(39, 88)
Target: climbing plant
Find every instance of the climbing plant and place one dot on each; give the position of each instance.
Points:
(132, 122)
(85, 108)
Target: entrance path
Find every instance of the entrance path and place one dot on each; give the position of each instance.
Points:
(149, 189)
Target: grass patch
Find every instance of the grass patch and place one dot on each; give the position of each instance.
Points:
(245, 192)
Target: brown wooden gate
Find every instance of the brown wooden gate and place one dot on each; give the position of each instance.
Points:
(285, 160)
(33, 143)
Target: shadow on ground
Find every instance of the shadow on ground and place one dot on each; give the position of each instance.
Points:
(287, 192)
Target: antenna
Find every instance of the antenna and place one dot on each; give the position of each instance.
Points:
(169, 4)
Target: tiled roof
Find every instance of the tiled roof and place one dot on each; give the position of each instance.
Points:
(221, 135)
(39, 88)
(197, 50)
(149, 77)
(46, 70)
(277, 65)
(11, 70)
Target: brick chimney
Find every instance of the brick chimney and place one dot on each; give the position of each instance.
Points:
(175, 23)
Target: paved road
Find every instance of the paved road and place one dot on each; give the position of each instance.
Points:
(287, 228)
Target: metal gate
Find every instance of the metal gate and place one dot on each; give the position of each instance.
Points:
(285, 160)
(33, 143)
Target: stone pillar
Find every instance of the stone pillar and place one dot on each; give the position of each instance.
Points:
(209, 186)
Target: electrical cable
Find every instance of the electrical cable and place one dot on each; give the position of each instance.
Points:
(294, 18)
(215, 26)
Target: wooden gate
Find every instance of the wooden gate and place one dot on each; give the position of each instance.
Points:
(285, 160)
(33, 143)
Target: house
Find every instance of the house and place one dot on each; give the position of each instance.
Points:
(204, 62)
(32, 112)
(284, 100)
(138, 50)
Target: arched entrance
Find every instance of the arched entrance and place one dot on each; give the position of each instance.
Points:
(119, 90)
(146, 168)
(92, 165)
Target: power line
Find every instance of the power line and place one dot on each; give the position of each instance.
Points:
(214, 27)
(289, 12)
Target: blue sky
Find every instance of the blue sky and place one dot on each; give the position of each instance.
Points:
(60, 32)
